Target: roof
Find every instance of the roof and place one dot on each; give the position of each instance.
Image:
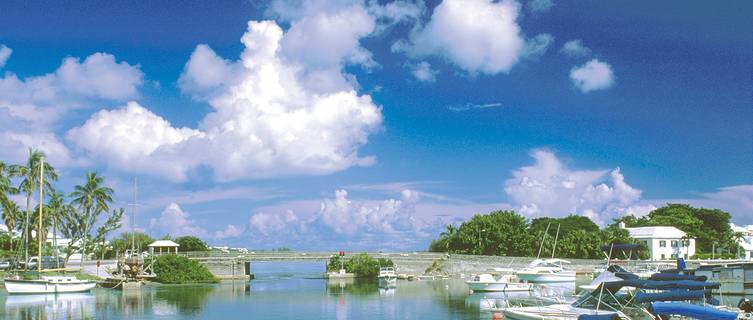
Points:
(656, 233)
(164, 243)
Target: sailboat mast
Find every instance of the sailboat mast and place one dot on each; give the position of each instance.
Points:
(41, 204)
(542, 240)
(133, 214)
(555, 240)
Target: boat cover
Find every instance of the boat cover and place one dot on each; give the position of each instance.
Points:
(660, 285)
(674, 276)
(605, 316)
(691, 310)
(670, 296)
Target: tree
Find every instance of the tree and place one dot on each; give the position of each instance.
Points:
(30, 176)
(56, 208)
(92, 198)
(124, 241)
(191, 243)
(11, 214)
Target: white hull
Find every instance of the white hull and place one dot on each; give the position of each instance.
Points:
(478, 286)
(551, 312)
(43, 286)
(387, 281)
(547, 277)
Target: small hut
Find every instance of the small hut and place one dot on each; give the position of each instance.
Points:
(163, 247)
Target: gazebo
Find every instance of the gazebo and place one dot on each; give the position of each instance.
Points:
(163, 246)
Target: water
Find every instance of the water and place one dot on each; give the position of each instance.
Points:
(281, 291)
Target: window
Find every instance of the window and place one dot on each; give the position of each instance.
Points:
(662, 244)
(674, 243)
(674, 256)
(686, 243)
(663, 256)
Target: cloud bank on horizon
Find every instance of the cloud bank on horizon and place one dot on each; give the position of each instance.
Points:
(292, 105)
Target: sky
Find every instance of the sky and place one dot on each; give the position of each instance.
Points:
(370, 125)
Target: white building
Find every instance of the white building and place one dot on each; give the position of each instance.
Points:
(664, 243)
(746, 242)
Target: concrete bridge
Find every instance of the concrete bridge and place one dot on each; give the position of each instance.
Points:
(240, 265)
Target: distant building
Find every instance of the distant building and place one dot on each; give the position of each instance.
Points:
(746, 242)
(663, 243)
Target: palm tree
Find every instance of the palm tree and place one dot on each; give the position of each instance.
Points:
(92, 198)
(55, 208)
(30, 175)
(11, 215)
(7, 205)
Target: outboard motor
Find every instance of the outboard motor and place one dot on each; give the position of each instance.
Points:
(745, 305)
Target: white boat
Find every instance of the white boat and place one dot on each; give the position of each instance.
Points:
(48, 284)
(387, 277)
(552, 312)
(546, 271)
(504, 283)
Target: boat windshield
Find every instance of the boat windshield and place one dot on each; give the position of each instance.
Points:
(609, 300)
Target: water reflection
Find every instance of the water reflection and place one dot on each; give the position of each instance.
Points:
(78, 306)
(189, 300)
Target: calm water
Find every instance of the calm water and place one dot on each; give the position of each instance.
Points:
(281, 291)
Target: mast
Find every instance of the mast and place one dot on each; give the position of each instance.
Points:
(542, 240)
(555, 240)
(41, 204)
(133, 214)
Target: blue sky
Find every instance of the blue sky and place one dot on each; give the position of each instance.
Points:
(370, 125)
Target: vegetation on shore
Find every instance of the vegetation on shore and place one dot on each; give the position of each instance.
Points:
(361, 265)
(175, 269)
(507, 233)
(84, 216)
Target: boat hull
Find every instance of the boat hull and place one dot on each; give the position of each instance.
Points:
(387, 281)
(546, 278)
(478, 286)
(37, 286)
(552, 312)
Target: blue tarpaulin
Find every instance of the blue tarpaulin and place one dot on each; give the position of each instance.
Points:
(670, 296)
(691, 310)
(674, 276)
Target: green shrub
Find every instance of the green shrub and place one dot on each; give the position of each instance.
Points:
(178, 269)
(364, 266)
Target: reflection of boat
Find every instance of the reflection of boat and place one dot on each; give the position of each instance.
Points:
(30, 300)
(495, 300)
(549, 270)
(505, 282)
(387, 292)
(387, 277)
(49, 284)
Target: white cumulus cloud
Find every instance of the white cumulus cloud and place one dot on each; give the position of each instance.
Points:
(539, 6)
(176, 222)
(575, 48)
(423, 72)
(594, 75)
(266, 120)
(549, 188)
(135, 139)
(5, 53)
(479, 36)
(31, 107)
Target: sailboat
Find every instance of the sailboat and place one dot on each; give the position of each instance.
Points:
(46, 284)
(547, 270)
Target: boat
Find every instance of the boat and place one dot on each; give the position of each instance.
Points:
(546, 271)
(387, 277)
(486, 282)
(48, 284)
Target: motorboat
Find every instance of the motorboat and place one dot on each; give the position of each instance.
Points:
(546, 271)
(387, 277)
(504, 283)
(49, 284)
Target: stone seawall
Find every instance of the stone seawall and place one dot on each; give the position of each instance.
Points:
(227, 268)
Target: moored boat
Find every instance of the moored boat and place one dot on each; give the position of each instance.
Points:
(546, 271)
(48, 284)
(504, 283)
(387, 277)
